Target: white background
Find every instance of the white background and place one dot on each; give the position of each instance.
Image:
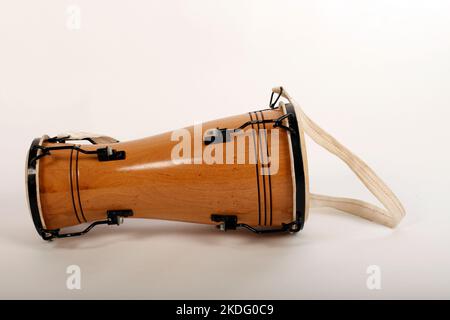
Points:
(375, 74)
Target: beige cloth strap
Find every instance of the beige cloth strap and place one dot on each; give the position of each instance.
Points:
(393, 210)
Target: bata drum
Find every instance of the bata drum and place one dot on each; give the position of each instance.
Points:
(246, 171)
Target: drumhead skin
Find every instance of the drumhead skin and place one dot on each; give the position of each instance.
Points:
(31, 182)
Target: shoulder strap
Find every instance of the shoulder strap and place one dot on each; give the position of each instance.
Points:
(393, 210)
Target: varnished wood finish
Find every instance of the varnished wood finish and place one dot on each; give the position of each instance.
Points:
(75, 187)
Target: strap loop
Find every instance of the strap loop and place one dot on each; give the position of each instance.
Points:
(393, 211)
(273, 104)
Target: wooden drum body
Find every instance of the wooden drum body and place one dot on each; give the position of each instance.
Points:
(246, 171)
(208, 183)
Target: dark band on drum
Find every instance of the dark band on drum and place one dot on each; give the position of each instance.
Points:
(260, 154)
(268, 166)
(299, 170)
(71, 185)
(78, 186)
(257, 169)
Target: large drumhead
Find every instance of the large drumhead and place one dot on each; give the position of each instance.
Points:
(32, 187)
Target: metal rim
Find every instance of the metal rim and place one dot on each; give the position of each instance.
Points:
(299, 170)
(32, 194)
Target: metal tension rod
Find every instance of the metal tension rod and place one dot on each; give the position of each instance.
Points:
(230, 222)
(103, 154)
(225, 133)
(114, 217)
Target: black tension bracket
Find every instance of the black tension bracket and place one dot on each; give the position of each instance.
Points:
(225, 222)
(116, 217)
(218, 136)
(110, 154)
